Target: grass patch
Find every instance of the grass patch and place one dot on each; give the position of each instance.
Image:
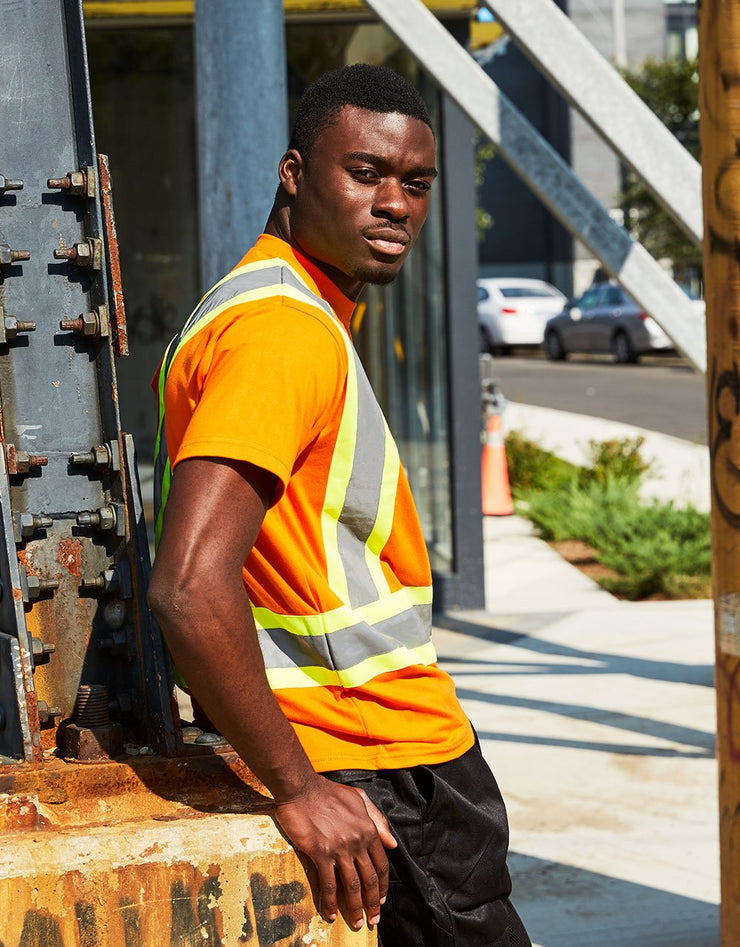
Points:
(649, 549)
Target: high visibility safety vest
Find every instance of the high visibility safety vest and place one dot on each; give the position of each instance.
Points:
(375, 630)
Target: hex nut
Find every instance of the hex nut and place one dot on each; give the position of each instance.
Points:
(93, 743)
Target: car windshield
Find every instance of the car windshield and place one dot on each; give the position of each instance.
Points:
(528, 292)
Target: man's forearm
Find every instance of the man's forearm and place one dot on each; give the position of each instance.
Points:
(217, 651)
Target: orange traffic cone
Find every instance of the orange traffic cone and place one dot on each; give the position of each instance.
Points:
(496, 495)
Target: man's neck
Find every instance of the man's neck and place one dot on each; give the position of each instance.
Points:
(278, 225)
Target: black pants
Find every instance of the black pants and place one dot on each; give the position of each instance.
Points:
(449, 884)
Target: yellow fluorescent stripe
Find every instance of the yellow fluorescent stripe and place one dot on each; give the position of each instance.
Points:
(344, 617)
(384, 520)
(164, 493)
(359, 674)
(336, 487)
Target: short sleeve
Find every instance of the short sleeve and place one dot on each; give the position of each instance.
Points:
(266, 385)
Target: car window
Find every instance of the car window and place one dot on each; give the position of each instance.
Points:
(482, 294)
(590, 298)
(615, 296)
(528, 292)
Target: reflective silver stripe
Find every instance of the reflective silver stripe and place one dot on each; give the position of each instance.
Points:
(243, 281)
(343, 649)
(362, 499)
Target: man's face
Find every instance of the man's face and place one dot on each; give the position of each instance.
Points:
(361, 198)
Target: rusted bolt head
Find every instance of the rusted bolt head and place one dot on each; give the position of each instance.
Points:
(84, 254)
(93, 743)
(77, 182)
(90, 324)
(107, 517)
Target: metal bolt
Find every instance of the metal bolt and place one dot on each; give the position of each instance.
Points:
(8, 256)
(103, 519)
(86, 324)
(91, 707)
(80, 254)
(36, 586)
(10, 327)
(78, 183)
(42, 650)
(108, 581)
(20, 462)
(88, 253)
(47, 713)
(26, 524)
(100, 456)
(7, 185)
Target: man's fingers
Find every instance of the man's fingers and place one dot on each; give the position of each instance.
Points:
(380, 864)
(370, 888)
(379, 819)
(327, 890)
(352, 892)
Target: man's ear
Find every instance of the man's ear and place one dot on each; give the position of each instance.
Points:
(291, 171)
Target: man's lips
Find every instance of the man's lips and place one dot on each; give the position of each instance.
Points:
(388, 242)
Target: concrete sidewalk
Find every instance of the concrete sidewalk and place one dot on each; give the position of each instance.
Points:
(598, 719)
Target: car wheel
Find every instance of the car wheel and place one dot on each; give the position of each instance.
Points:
(484, 343)
(554, 347)
(622, 348)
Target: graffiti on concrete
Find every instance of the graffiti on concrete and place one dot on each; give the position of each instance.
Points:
(194, 919)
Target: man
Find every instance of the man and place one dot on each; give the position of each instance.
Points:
(284, 491)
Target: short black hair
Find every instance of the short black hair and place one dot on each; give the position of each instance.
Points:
(374, 88)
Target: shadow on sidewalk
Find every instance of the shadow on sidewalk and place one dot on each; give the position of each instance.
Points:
(564, 906)
(693, 743)
(602, 662)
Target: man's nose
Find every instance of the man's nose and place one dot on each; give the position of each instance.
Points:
(391, 201)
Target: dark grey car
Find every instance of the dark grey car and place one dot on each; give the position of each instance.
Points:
(604, 319)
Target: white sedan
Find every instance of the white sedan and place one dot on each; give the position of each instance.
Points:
(513, 312)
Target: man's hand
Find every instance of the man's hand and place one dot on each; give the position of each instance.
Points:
(343, 834)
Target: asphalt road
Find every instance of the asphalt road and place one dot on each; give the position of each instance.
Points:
(660, 394)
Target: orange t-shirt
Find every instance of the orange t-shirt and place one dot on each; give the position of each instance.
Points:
(265, 382)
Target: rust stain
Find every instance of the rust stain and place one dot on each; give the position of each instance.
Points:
(118, 310)
(70, 555)
(26, 562)
(19, 813)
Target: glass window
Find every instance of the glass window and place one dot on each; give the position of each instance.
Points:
(528, 292)
(482, 294)
(143, 107)
(590, 299)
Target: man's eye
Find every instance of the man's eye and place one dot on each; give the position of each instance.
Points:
(364, 174)
(420, 187)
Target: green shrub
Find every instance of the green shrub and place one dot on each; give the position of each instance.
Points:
(619, 459)
(655, 548)
(533, 468)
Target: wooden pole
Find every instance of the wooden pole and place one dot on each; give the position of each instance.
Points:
(719, 96)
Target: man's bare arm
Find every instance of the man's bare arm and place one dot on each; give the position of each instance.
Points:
(214, 512)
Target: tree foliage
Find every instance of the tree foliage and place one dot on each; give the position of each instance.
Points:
(671, 89)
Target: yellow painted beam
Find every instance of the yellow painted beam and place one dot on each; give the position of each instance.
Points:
(184, 8)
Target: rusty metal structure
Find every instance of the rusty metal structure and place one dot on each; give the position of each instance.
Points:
(113, 829)
(82, 667)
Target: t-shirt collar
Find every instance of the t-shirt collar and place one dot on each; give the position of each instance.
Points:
(315, 277)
